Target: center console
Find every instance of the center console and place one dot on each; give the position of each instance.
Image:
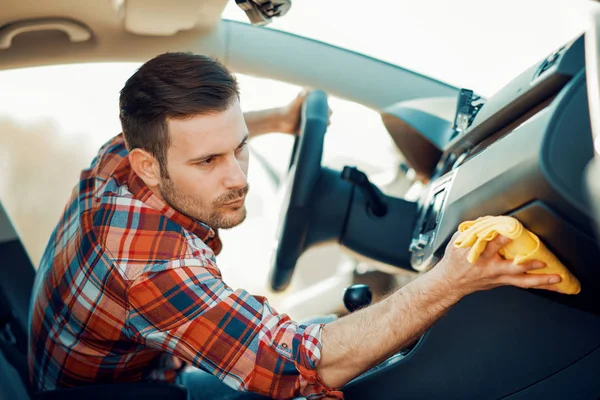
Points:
(426, 231)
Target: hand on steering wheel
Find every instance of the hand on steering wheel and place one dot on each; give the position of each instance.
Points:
(303, 175)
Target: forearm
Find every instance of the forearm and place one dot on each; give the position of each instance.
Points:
(359, 341)
(264, 121)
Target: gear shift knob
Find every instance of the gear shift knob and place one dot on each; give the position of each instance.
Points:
(357, 296)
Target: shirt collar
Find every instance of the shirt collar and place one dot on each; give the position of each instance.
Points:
(140, 191)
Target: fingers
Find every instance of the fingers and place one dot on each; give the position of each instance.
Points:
(516, 275)
(530, 281)
(521, 268)
(492, 270)
(491, 249)
(303, 92)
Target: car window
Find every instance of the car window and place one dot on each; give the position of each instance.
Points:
(356, 135)
(467, 43)
(54, 119)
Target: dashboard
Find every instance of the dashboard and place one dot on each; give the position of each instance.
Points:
(523, 153)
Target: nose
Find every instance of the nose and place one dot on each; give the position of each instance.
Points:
(236, 174)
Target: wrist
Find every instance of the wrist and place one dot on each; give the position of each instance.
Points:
(443, 282)
(281, 120)
(266, 121)
(277, 120)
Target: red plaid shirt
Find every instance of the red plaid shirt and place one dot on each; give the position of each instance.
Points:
(128, 290)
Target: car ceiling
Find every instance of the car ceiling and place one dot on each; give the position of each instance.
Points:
(137, 30)
(120, 29)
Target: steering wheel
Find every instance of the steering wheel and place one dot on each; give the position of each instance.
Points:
(298, 187)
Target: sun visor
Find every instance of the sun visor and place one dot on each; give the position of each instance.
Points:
(166, 18)
(421, 128)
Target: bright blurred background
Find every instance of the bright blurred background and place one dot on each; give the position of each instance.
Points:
(54, 119)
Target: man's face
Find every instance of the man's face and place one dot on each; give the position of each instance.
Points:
(207, 163)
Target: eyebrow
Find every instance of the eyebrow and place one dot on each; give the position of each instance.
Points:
(206, 157)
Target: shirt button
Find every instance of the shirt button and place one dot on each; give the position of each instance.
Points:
(284, 345)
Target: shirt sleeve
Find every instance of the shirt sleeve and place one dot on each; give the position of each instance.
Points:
(187, 310)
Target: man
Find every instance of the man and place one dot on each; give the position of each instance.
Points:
(129, 289)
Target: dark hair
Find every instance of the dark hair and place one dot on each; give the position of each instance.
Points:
(171, 85)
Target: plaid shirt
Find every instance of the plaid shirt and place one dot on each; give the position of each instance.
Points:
(128, 289)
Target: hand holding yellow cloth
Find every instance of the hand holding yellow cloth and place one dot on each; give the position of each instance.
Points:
(525, 246)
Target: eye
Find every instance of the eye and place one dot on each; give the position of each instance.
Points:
(206, 162)
(241, 147)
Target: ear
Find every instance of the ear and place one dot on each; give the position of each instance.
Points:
(146, 166)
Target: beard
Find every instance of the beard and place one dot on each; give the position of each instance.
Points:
(214, 214)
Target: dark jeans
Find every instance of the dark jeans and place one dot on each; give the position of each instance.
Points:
(204, 386)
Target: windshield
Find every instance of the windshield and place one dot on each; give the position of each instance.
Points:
(477, 44)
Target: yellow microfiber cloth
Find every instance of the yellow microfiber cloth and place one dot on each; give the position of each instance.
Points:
(525, 246)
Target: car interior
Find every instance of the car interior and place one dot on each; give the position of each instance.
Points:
(531, 151)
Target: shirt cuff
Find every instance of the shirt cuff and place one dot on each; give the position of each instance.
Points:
(303, 345)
